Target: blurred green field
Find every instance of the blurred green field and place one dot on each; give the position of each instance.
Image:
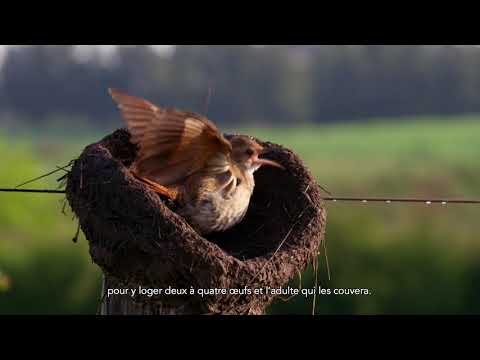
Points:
(415, 259)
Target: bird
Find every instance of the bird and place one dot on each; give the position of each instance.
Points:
(182, 155)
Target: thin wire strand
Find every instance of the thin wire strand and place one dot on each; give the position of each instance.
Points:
(402, 200)
(43, 191)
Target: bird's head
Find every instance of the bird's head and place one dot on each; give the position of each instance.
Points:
(246, 154)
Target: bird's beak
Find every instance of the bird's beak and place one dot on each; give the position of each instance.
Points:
(260, 162)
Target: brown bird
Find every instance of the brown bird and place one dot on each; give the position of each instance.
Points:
(183, 156)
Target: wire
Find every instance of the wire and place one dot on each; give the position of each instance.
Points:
(402, 200)
(386, 200)
(33, 191)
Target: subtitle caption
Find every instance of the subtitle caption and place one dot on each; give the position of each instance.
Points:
(288, 291)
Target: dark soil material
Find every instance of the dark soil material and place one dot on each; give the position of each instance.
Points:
(137, 239)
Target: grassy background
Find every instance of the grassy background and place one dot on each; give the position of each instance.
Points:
(413, 258)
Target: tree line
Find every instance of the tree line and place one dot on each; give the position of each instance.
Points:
(263, 85)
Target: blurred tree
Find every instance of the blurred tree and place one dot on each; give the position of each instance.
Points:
(255, 84)
(357, 82)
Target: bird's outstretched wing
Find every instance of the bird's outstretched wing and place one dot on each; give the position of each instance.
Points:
(172, 144)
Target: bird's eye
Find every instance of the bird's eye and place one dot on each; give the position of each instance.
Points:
(249, 152)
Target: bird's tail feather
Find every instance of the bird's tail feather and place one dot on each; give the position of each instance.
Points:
(160, 189)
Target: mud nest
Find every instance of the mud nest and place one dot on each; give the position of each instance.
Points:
(136, 237)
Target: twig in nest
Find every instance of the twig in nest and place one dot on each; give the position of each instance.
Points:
(63, 178)
(102, 299)
(299, 288)
(256, 231)
(315, 269)
(75, 238)
(64, 205)
(325, 190)
(326, 259)
(81, 175)
(59, 168)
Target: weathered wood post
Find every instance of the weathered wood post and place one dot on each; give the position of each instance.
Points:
(138, 240)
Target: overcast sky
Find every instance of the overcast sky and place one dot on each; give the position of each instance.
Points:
(86, 51)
